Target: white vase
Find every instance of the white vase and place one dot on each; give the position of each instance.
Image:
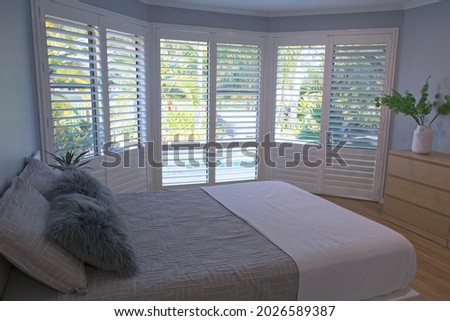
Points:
(422, 140)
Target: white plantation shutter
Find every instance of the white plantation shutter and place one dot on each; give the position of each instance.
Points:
(126, 80)
(299, 89)
(96, 85)
(338, 78)
(357, 77)
(73, 51)
(189, 119)
(184, 110)
(75, 82)
(237, 110)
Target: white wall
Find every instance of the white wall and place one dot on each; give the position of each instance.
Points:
(424, 51)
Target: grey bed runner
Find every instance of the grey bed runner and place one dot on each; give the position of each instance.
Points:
(190, 247)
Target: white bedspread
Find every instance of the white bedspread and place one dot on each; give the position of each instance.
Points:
(340, 255)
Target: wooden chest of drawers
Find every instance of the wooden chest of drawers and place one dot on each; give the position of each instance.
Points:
(417, 195)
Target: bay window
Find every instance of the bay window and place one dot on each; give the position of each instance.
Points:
(206, 99)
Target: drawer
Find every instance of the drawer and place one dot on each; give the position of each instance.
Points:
(419, 217)
(420, 195)
(419, 171)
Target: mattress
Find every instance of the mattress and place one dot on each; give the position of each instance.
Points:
(248, 241)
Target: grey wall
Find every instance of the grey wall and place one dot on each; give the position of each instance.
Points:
(424, 51)
(338, 21)
(18, 125)
(142, 11)
(139, 10)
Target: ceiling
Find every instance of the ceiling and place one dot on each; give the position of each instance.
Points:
(291, 7)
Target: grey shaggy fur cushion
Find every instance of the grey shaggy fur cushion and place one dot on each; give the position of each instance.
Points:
(92, 232)
(75, 180)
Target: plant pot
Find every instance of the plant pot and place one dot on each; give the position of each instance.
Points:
(422, 140)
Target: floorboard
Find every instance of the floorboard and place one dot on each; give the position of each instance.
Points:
(432, 280)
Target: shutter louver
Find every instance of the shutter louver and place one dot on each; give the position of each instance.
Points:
(184, 110)
(299, 87)
(126, 80)
(237, 108)
(75, 86)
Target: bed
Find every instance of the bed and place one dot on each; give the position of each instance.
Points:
(247, 241)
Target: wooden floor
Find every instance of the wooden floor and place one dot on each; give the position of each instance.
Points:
(432, 280)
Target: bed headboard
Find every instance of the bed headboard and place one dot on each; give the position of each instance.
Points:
(5, 270)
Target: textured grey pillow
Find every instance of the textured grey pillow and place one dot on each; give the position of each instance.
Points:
(23, 213)
(40, 175)
(92, 231)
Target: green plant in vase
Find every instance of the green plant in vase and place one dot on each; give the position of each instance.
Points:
(419, 110)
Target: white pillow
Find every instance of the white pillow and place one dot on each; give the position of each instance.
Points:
(40, 175)
(23, 214)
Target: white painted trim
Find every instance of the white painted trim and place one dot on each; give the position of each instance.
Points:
(41, 81)
(105, 80)
(266, 104)
(212, 96)
(386, 115)
(151, 103)
(325, 117)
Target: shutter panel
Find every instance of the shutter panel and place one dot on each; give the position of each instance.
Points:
(237, 110)
(127, 109)
(184, 110)
(357, 77)
(126, 80)
(75, 85)
(299, 91)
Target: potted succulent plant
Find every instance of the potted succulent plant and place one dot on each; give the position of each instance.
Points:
(69, 160)
(419, 110)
